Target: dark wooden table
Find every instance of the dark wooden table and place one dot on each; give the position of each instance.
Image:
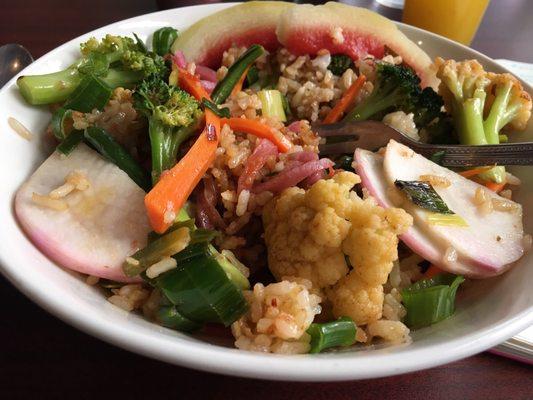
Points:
(42, 357)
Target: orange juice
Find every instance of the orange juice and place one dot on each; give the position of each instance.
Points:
(455, 19)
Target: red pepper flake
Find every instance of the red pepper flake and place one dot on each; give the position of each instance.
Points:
(274, 302)
(211, 132)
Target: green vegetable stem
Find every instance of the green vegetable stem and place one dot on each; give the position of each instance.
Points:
(272, 104)
(118, 61)
(332, 334)
(397, 88)
(224, 87)
(430, 300)
(104, 143)
(173, 116)
(162, 40)
(478, 121)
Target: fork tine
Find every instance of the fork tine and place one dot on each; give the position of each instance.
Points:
(336, 129)
(371, 135)
(338, 148)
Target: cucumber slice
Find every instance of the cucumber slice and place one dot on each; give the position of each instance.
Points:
(170, 317)
(228, 265)
(201, 289)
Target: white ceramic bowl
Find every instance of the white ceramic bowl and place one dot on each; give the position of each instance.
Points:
(488, 312)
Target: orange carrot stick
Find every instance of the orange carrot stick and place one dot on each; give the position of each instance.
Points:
(349, 96)
(238, 87)
(495, 187)
(432, 271)
(175, 186)
(473, 172)
(191, 84)
(256, 128)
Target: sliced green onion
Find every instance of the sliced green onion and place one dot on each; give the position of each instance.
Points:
(61, 123)
(272, 104)
(165, 246)
(423, 195)
(224, 87)
(252, 76)
(286, 106)
(220, 112)
(91, 93)
(446, 220)
(170, 317)
(332, 334)
(495, 174)
(70, 142)
(162, 40)
(430, 300)
(200, 288)
(140, 44)
(106, 145)
(183, 214)
(228, 262)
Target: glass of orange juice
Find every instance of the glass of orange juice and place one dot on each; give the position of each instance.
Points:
(455, 19)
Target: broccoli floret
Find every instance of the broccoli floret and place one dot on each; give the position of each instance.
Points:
(482, 104)
(427, 107)
(340, 63)
(173, 116)
(396, 88)
(440, 130)
(116, 60)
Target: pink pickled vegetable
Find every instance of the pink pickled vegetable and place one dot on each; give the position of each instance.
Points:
(179, 59)
(295, 126)
(206, 73)
(293, 176)
(303, 156)
(208, 85)
(264, 150)
(312, 179)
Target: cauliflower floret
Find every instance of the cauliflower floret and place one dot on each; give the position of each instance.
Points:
(519, 107)
(311, 234)
(402, 122)
(356, 299)
(304, 236)
(278, 317)
(482, 103)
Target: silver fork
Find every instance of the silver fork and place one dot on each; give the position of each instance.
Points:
(371, 135)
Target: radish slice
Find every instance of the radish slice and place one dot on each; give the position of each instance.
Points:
(101, 226)
(369, 167)
(487, 247)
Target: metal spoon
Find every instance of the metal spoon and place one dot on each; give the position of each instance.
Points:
(13, 58)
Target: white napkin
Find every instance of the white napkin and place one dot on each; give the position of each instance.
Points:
(521, 69)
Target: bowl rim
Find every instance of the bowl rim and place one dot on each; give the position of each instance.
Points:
(207, 357)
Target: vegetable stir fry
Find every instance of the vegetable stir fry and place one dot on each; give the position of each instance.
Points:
(187, 180)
